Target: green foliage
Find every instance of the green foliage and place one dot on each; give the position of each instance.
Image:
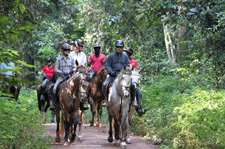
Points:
(19, 126)
(181, 115)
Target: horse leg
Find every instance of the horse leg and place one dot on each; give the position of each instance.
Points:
(128, 132)
(110, 138)
(57, 138)
(99, 115)
(117, 131)
(124, 128)
(46, 108)
(92, 115)
(82, 116)
(75, 124)
(67, 127)
(80, 137)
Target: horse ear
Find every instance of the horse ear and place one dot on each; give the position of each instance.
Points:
(132, 67)
(139, 71)
(76, 63)
(124, 67)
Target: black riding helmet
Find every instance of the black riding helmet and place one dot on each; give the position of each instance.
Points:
(71, 42)
(129, 50)
(79, 42)
(119, 43)
(96, 45)
(66, 46)
(50, 59)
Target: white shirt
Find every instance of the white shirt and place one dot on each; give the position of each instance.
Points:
(80, 57)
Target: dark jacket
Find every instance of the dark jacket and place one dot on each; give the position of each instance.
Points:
(116, 63)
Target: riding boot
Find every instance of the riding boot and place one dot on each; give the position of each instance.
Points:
(82, 107)
(90, 101)
(133, 94)
(42, 91)
(105, 102)
(53, 103)
(139, 109)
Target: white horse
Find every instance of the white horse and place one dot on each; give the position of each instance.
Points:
(119, 102)
(135, 81)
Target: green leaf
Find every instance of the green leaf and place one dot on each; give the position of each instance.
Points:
(22, 8)
(23, 109)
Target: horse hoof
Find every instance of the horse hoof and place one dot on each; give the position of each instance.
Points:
(80, 138)
(123, 145)
(57, 139)
(128, 141)
(110, 139)
(117, 143)
(97, 125)
(66, 143)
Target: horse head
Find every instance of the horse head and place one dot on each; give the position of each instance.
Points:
(135, 77)
(80, 67)
(102, 74)
(85, 86)
(125, 81)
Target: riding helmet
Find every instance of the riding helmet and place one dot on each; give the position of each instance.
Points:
(129, 50)
(96, 45)
(79, 42)
(71, 42)
(50, 59)
(65, 46)
(119, 43)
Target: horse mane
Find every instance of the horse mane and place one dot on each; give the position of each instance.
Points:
(100, 71)
(124, 71)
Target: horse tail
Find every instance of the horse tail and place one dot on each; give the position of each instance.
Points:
(62, 130)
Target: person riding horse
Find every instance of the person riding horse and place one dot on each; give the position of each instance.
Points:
(97, 60)
(80, 56)
(64, 67)
(114, 64)
(49, 72)
(129, 52)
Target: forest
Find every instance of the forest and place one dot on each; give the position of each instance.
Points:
(178, 44)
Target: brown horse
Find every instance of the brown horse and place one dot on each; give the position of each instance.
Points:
(97, 96)
(72, 92)
(43, 105)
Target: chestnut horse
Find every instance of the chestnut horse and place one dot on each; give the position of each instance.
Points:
(97, 96)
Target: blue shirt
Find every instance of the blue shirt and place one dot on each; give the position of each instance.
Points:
(116, 63)
(10, 65)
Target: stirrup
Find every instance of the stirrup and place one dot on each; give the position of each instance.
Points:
(90, 100)
(42, 97)
(134, 104)
(105, 103)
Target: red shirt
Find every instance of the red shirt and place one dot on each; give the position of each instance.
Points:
(97, 62)
(133, 62)
(49, 71)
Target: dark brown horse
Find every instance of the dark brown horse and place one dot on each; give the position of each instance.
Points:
(43, 105)
(97, 96)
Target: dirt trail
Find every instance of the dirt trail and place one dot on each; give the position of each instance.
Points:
(96, 138)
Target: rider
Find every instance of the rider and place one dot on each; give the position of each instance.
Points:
(64, 67)
(129, 52)
(97, 60)
(72, 44)
(49, 72)
(78, 55)
(114, 64)
(9, 65)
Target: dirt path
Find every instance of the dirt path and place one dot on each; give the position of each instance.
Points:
(96, 138)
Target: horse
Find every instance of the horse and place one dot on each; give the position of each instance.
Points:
(43, 105)
(72, 92)
(135, 80)
(97, 95)
(119, 102)
(14, 88)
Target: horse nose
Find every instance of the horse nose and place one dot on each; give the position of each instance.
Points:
(126, 93)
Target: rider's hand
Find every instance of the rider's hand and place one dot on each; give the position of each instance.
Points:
(113, 74)
(71, 72)
(65, 73)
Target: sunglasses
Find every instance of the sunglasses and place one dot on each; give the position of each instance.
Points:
(49, 61)
(119, 47)
(66, 49)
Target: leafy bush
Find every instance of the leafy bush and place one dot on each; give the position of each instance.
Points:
(181, 114)
(19, 125)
